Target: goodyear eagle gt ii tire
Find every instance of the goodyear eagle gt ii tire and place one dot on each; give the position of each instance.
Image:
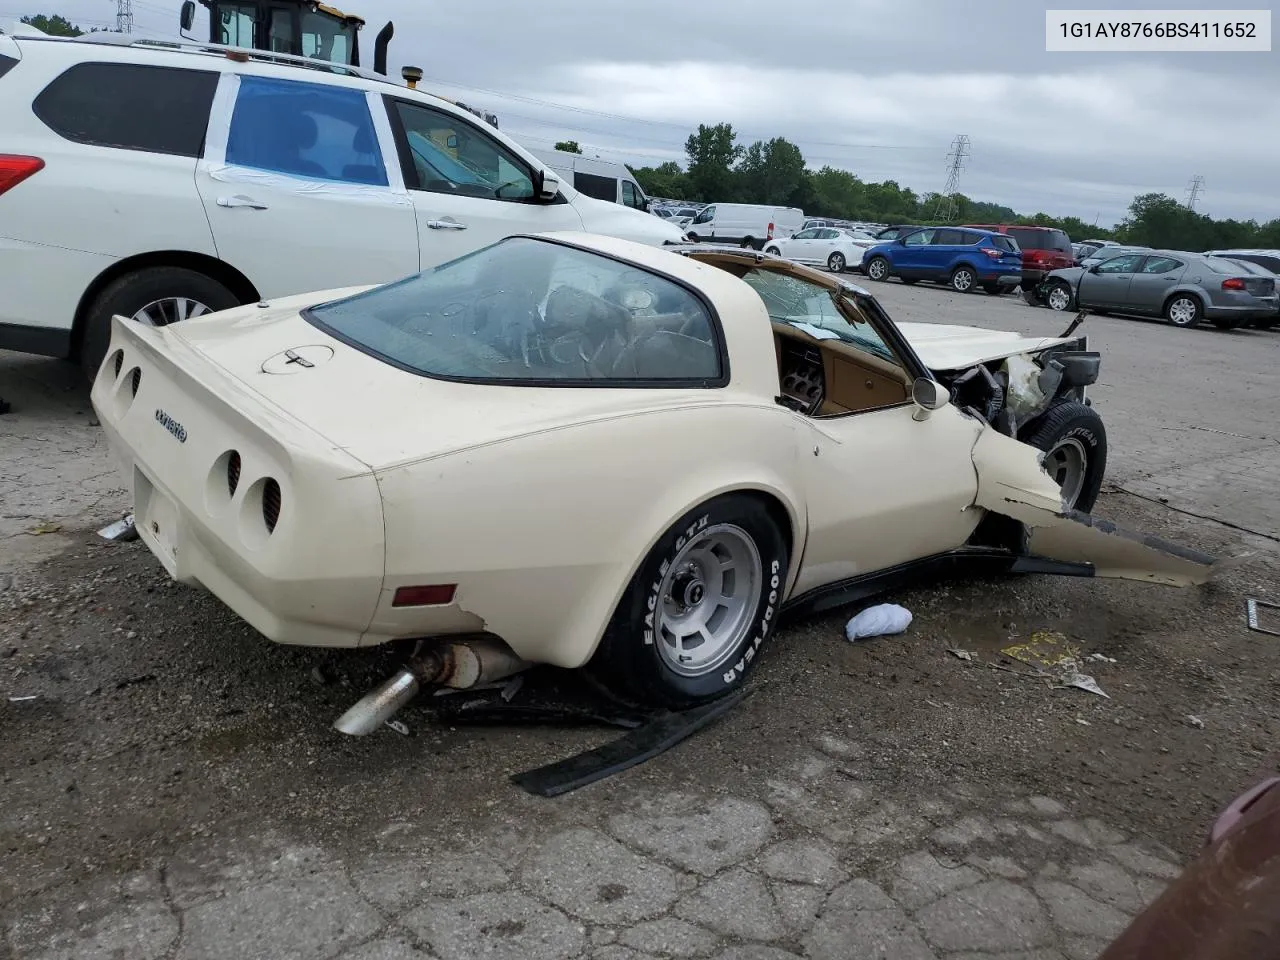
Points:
(1074, 440)
(696, 615)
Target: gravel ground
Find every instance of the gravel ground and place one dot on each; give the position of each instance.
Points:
(174, 788)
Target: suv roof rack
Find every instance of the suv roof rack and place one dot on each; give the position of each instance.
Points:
(110, 38)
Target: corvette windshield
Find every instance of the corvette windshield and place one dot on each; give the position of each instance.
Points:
(811, 309)
(534, 312)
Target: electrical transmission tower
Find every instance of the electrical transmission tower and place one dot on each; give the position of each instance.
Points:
(124, 16)
(1193, 190)
(945, 209)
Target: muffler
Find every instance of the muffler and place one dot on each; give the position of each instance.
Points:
(460, 664)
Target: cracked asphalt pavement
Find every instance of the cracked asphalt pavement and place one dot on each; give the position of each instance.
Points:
(170, 786)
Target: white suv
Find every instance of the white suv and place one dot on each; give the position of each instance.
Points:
(165, 181)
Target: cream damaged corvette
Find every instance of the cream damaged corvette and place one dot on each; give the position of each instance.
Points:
(591, 453)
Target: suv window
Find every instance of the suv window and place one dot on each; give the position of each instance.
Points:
(130, 106)
(442, 153)
(305, 130)
(951, 238)
(1040, 239)
(532, 312)
(919, 239)
(1270, 263)
(1006, 243)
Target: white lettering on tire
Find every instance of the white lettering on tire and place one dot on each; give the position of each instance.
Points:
(651, 604)
(739, 669)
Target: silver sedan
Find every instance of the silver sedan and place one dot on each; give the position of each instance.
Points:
(1182, 287)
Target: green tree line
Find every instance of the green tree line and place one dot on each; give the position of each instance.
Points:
(719, 168)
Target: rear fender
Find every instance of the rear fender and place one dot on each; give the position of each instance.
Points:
(1012, 483)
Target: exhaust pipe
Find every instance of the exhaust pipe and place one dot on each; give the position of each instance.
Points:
(380, 44)
(460, 664)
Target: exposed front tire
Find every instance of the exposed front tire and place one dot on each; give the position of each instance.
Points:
(698, 611)
(836, 263)
(1183, 310)
(1058, 296)
(878, 268)
(1074, 441)
(963, 279)
(155, 295)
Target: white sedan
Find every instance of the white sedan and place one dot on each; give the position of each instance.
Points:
(837, 250)
(603, 454)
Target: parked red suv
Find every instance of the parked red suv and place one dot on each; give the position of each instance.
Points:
(1043, 249)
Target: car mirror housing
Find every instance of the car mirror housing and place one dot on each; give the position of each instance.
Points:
(548, 186)
(928, 395)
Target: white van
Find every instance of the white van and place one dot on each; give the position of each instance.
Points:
(602, 179)
(745, 224)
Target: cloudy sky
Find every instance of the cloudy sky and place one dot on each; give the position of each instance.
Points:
(880, 88)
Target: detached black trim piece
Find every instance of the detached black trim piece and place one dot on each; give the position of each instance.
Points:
(971, 561)
(660, 734)
(43, 341)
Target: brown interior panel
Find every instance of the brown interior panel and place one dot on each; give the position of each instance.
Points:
(855, 383)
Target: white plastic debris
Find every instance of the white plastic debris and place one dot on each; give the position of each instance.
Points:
(879, 621)
(1024, 396)
(962, 654)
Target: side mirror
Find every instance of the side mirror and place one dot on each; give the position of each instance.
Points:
(928, 395)
(548, 185)
(1094, 268)
(187, 16)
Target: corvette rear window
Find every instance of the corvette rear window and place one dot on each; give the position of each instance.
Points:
(532, 312)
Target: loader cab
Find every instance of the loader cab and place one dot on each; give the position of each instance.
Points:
(301, 28)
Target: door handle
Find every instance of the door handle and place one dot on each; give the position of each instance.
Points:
(446, 225)
(240, 200)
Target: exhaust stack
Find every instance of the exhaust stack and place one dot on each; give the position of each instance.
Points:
(460, 664)
(380, 44)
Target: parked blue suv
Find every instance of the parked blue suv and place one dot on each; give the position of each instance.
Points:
(962, 257)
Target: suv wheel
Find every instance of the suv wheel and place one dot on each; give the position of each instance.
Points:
(157, 296)
(878, 268)
(963, 279)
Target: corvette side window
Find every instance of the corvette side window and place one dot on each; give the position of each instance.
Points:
(525, 311)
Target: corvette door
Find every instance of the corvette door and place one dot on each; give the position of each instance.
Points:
(1011, 483)
(884, 489)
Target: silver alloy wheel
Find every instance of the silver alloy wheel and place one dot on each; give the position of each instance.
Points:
(160, 313)
(1182, 311)
(835, 262)
(877, 269)
(962, 279)
(708, 599)
(1059, 297)
(1067, 463)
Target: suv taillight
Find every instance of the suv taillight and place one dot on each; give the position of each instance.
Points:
(991, 252)
(15, 169)
(1235, 283)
